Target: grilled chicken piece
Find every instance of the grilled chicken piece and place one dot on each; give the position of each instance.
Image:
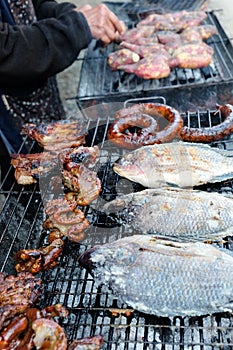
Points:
(189, 35)
(84, 183)
(122, 56)
(17, 294)
(167, 36)
(133, 34)
(57, 135)
(146, 50)
(64, 219)
(198, 33)
(207, 31)
(151, 67)
(29, 167)
(145, 41)
(173, 21)
(194, 55)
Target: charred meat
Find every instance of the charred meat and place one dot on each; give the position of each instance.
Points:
(36, 260)
(88, 343)
(57, 135)
(64, 219)
(82, 182)
(17, 294)
(30, 167)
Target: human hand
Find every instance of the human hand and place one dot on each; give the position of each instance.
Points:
(103, 23)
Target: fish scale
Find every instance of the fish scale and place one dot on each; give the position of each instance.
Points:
(180, 164)
(179, 214)
(162, 277)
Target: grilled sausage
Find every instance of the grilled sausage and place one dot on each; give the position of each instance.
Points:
(214, 133)
(159, 123)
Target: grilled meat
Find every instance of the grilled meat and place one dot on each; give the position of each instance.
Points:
(58, 135)
(122, 56)
(26, 331)
(146, 50)
(88, 343)
(87, 156)
(192, 55)
(84, 183)
(173, 21)
(150, 67)
(212, 133)
(49, 335)
(132, 35)
(36, 260)
(180, 164)
(17, 294)
(145, 41)
(180, 214)
(64, 219)
(30, 167)
(167, 36)
(162, 277)
(207, 31)
(198, 33)
(157, 123)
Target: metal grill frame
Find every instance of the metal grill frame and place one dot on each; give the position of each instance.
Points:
(97, 81)
(93, 310)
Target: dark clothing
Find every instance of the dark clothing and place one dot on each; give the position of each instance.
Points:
(46, 38)
(29, 54)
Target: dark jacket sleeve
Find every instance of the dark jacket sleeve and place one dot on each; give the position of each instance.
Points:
(35, 52)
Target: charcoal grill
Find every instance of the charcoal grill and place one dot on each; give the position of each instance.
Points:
(99, 83)
(92, 310)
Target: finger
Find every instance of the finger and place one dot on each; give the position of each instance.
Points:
(118, 25)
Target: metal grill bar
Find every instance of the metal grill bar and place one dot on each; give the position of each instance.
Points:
(93, 310)
(105, 82)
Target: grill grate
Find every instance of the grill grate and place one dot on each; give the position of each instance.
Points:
(97, 80)
(135, 9)
(92, 310)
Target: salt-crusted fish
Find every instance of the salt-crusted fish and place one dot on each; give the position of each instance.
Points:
(162, 277)
(174, 213)
(180, 164)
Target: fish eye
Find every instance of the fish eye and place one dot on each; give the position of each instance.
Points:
(125, 256)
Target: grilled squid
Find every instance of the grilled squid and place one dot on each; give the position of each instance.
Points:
(214, 133)
(157, 123)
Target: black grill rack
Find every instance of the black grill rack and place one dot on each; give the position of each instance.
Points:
(136, 9)
(98, 82)
(93, 310)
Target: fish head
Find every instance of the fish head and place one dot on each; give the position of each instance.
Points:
(109, 261)
(133, 168)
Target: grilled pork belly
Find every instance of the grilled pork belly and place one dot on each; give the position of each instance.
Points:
(58, 135)
(29, 167)
(84, 183)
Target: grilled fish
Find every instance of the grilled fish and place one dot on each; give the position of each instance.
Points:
(162, 277)
(180, 214)
(181, 164)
